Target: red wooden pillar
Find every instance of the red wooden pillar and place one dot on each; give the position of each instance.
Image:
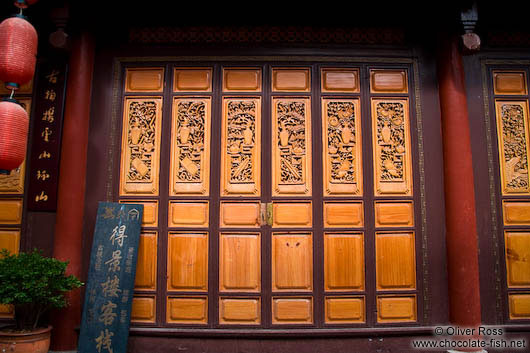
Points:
(461, 238)
(71, 192)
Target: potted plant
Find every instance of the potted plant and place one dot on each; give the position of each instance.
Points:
(33, 284)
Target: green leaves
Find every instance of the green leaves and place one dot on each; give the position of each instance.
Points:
(34, 283)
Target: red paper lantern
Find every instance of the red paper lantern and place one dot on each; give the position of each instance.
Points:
(24, 3)
(18, 51)
(14, 124)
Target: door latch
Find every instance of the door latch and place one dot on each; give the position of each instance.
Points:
(266, 214)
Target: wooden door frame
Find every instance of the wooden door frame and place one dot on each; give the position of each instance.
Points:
(432, 258)
(493, 274)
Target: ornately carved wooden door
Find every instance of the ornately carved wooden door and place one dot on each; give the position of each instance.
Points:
(509, 186)
(275, 196)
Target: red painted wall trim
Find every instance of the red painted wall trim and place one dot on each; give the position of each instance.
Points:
(461, 237)
(71, 186)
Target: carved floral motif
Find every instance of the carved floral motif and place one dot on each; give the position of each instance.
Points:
(240, 143)
(391, 140)
(341, 138)
(291, 117)
(191, 117)
(514, 146)
(141, 140)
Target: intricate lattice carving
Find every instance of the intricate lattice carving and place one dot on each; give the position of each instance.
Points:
(191, 118)
(291, 141)
(341, 138)
(514, 146)
(241, 147)
(291, 146)
(190, 149)
(140, 145)
(391, 139)
(141, 140)
(241, 132)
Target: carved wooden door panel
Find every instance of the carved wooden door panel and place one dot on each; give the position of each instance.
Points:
(510, 189)
(275, 196)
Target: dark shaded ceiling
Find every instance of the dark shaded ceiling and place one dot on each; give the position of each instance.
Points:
(117, 14)
(114, 18)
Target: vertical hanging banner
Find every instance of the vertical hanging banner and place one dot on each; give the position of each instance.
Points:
(46, 138)
(110, 283)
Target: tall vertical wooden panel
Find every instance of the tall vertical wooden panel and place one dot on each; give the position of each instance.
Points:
(240, 262)
(140, 156)
(343, 262)
(512, 133)
(341, 141)
(517, 244)
(190, 146)
(391, 141)
(395, 261)
(291, 147)
(146, 268)
(513, 142)
(187, 267)
(241, 147)
(292, 262)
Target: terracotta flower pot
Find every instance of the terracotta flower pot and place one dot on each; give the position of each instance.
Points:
(37, 341)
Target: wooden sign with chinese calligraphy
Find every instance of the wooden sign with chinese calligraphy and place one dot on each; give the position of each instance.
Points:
(110, 283)
(46, 139)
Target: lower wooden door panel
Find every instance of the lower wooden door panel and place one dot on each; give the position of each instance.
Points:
(239, 262)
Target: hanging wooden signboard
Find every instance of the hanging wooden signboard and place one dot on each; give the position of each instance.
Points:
(46, 139)
(110, 283)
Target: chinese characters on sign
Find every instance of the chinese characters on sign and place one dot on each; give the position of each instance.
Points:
(46, 140)
(107, 308)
